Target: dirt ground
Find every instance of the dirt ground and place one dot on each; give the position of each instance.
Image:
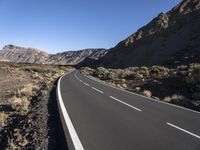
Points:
(24, 104)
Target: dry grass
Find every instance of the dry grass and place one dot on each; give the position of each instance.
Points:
(20, 104)
(3, 118)
(147, 93)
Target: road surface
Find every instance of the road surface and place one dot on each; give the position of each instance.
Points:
(100, 117)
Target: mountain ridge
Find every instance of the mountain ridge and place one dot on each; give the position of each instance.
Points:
(19, 54)
(157, 43)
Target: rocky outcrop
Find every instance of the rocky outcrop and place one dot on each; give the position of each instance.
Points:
(18, 54)
(171, 39)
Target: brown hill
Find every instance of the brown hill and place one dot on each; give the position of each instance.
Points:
(171, 39)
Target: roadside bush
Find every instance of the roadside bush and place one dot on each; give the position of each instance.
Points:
(194, 75)
(143, 71)
(87, 70)
(147, 93)
(158, 70)
(101, 72)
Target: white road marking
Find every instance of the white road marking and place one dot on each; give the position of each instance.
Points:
(159, 101)
(125, 103)
(75, 139)
(86, 84)
(188, 132)
(97, 90)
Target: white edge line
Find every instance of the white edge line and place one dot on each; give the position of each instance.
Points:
(125, 103)
(159, 101)
(188, 132)
(75, 139)
(97, 90)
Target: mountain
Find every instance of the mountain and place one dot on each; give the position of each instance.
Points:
(18, 54)
(170, 39)
(22, 55)
(75, 57)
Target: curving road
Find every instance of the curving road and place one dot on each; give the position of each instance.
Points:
(99, 117)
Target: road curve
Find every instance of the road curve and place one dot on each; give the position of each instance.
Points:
(100, 117)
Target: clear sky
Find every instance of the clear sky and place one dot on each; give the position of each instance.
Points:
(60, 25)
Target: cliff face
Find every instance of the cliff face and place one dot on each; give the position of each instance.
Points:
(18, 54)
(171, 38)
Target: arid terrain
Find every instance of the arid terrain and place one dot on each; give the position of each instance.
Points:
(25, 105)
(180, 86)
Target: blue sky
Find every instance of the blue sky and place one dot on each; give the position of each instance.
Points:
(60, 25)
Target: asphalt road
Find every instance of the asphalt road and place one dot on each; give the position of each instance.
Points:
(100, 117)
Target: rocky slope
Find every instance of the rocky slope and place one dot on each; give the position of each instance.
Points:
(172, 38)
(75, 57)
(18, 54)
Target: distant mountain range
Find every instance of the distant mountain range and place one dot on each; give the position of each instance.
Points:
(18, 54)
(170, 39)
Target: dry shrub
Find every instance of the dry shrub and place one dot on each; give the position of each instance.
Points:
(17, 141)
(20, 104)
(147, 93)
(27, 89)
(174, 97)
(3, 117)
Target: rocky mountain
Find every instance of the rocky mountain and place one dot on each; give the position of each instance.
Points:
(18, 54)
(171, 39)
(22, 55)
(75, 57)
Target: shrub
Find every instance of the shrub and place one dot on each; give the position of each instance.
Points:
(3, 117)
(158, 70)
(20, 104)
(194, 74)
(147, 93)
(101, 72)
(143, 71)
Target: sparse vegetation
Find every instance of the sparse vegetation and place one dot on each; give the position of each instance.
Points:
(24, 93)
(3, 118)
(179, 85)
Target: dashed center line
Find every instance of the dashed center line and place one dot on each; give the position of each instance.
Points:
(97, 90)
(86, 84)
(179, 128)
(125, 103)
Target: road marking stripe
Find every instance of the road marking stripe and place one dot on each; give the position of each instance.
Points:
(125, 103)
(86, 84)
(188, 132)
(97, 90)
(159, 101)
(75, 139)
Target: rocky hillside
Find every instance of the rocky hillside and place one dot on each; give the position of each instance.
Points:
(75, 57)
(171, 39)
(18, 54)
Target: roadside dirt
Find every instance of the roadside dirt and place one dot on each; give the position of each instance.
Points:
(25, 107)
